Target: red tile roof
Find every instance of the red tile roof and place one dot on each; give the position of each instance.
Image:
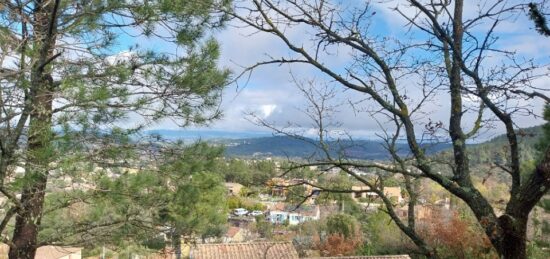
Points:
(48, 252)
(53, 252)
(260, 250)
(365, 257)
(232, 231)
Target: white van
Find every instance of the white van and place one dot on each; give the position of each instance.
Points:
(240, 212)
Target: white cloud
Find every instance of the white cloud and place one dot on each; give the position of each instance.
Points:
(269, 92)
(267, 109)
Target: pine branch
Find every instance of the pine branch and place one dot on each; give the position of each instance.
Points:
(540, 21)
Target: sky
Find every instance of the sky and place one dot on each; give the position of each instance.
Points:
(270, 93)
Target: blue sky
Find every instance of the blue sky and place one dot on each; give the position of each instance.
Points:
(271, 94)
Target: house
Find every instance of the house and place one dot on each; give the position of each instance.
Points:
(234, 234)
(257, 250)
(282, 213)
(363, 191)
(394, 193)
(233, 188)
(49, 252)
(279, 187)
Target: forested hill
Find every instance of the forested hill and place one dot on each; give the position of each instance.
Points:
(497, 147)
(528, 136)
(245, 144)
(371, 149)
(282, 146)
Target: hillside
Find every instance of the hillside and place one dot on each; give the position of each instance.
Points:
(282, 146)
(528, 136)
(497, 147)
(254, 144)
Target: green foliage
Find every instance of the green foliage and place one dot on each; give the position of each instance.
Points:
(335, 182)
(342, 224)
(538, 18)
(155, 243)
(197, 207)
(75, 75)
(296, 194)
(545, 204)
(534, 251)
(544, 142)
(264, 227)
(184, 195)
(234, 202)
(384, 237)
(248, 173)
(391, 182)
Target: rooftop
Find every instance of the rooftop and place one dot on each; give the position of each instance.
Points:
(365, 257)
(259, 250)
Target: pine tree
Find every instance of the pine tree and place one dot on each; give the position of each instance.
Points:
(66, 84)
(538, 18)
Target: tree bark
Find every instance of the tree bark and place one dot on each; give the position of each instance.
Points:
(39, 154)
(176, 244)
(513, 224)
(39, 142)
(27, 222)
(514, 232)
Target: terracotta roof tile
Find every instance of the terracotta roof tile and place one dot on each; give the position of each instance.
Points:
(365, 257)
(51, 252)
(260, 250)
(232, 231)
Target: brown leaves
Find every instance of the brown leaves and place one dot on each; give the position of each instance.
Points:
(338, 245)
(456, 237)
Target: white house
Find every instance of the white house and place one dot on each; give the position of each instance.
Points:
(282, 213)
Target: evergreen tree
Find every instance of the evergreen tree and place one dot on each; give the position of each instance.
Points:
(65, 80)
(179, 195)
(197, 207)
(538, 18)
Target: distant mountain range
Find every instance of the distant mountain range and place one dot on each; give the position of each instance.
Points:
(206, 134)
(264, 144)
(283, 146)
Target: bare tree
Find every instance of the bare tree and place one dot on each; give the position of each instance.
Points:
(450, 56)
(331, 144)
(66, 92)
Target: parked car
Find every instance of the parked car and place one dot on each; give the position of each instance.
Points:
(256, 213)
(240, 212)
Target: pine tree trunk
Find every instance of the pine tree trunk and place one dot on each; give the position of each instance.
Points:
(39, 155)
(39, 151)
(176, 244)
(27, 222)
